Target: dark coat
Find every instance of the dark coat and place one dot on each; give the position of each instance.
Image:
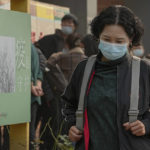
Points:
(51, 43)
(127, 141)
(42, 60)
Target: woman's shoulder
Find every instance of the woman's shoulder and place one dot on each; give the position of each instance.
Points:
(146, 61)
(81, 65)
(145, 64)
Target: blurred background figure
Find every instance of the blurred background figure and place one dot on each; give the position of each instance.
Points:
(90, 45)
(70, 56)
(138, 50)
(36, 92)
(53, 43)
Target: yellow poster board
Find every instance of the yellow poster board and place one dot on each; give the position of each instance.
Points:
(44, 11)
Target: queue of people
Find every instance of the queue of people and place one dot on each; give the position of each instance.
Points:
(60, 60)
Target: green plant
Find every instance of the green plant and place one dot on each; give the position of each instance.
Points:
(62, 142)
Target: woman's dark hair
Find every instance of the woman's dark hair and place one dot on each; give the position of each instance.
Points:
(73, 40)
(70, 17)
(119, 15)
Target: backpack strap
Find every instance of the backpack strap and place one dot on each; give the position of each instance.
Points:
(134, 99)
(86, 76)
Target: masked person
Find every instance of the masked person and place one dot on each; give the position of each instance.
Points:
(53, 43)
(107, 99)
(138, 50)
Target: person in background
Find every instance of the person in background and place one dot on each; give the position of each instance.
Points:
(69, 57)
(107, 99)
(137, 50)
(53, 43)
(90, 45)
(36, 92)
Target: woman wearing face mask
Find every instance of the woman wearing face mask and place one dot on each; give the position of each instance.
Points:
(107, 100)
(138, 50)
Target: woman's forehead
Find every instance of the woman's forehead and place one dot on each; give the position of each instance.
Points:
(114, 30)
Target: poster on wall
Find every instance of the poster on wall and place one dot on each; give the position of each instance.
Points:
(45, 19)
(59, 12)
(5, 4)
(42, 20)
(15, 60)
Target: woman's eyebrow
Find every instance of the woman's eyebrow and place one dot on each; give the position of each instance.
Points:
(120, 38)
(105, 36)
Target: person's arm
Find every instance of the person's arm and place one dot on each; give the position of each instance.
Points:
(146, 116)
(69, 110)
(40, 74)
(70, 103)
(42, 60)
(39, 81)
(146, 122)
(141, 127)
(34, 89)
(36, 73)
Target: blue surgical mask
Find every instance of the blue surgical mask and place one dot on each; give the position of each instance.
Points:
(67, 30)
(138, 52)
(112, 51)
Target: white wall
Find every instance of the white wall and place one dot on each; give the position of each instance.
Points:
(91, 12)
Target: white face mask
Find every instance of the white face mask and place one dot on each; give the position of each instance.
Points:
(112, 51)
(67, 30)
(138, 52)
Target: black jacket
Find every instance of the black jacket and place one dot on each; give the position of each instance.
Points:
(126, 139)
(51, 43)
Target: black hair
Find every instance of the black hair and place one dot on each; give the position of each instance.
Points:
(119, 15)
(90, 45)
(70, 17)
(73, 40)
